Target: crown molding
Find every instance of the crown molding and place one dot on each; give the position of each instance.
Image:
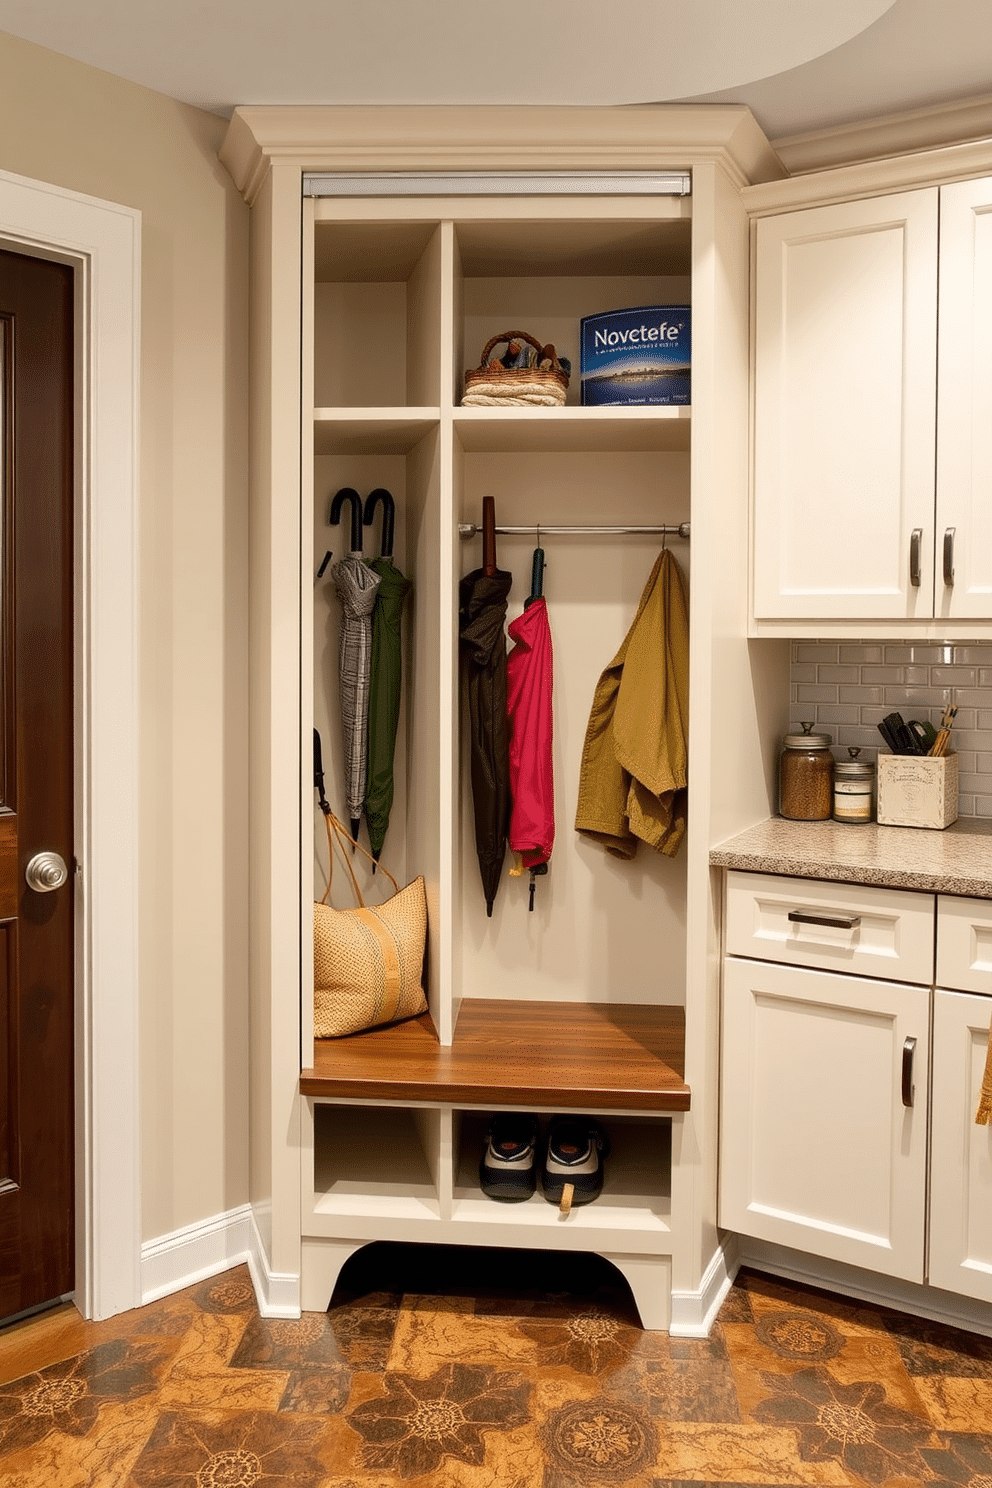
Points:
(871, 178)
(458, 138)
(964, 120)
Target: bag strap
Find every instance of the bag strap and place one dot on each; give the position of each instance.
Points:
(341, 836)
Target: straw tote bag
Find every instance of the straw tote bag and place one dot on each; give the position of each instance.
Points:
(368, 962)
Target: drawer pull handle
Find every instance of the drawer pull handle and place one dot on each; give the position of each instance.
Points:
(908, 1057)
(836, 922)
(949, 556)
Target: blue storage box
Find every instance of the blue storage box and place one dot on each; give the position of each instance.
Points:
(637, 356)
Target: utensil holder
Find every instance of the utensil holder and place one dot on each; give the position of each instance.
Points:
(917, 791)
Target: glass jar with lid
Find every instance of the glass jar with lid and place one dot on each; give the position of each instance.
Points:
(806, 776)
(854, 789)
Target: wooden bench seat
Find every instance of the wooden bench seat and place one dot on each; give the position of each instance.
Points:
(579, 1056)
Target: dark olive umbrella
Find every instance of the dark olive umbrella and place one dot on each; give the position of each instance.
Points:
(356, 585)
(482, 610)
(386, 675)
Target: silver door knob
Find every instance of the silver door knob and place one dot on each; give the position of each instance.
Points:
(45, 872)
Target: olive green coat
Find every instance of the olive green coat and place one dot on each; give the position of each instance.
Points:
(632, 783)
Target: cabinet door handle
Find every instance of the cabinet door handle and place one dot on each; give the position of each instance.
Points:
(908, 1057)
(915, 557)
(836, 922)
(949, 555)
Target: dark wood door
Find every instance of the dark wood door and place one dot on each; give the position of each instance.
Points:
(37, 1249)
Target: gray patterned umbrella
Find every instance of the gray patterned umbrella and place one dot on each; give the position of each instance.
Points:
(356, 586)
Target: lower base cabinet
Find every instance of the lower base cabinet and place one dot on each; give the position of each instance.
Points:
(961, 1152)
(847, 1101)
(824, 1114)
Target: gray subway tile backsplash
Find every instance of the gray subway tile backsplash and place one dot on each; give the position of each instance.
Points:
(863, 655)
(928, 653)
(846, 689)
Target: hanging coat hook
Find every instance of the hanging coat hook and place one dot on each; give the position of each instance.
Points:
(347, 493)
(381, 497)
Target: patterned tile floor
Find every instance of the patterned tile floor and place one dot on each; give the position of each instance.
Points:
(538, 1379)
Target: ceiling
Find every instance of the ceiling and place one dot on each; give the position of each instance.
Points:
(800, 65)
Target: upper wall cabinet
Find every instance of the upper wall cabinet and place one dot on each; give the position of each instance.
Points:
(852, 419)
(964, 403)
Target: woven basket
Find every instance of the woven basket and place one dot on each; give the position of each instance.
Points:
(368, 963)
(542, 384)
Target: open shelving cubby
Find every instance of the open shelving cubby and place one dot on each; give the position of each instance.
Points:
(636, 1197)
(572, 1006)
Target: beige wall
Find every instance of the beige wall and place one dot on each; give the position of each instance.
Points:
(83, 129)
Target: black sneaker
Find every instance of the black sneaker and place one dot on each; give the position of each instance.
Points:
(576, 1148)
(508, 1170)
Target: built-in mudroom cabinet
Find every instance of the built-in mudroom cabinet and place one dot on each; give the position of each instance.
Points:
(388, 247)
(821, 486)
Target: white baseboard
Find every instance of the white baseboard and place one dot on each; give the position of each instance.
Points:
(880, 1291)
(192, 1254)
(694, 1313)
(277, 1293)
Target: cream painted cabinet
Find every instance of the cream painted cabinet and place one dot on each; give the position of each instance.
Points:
(964, 403)
(824, 1119)
(826, 1016)
(960, 1151)
(845, 377)
(827, 1107)
(865, 379)
(389, 246)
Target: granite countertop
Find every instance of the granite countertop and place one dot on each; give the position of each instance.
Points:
(957, 860)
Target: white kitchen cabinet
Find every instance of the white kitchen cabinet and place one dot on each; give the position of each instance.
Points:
(861, 385)
(834, 1142)
(845, 376)
(824, 1115)
(964, 403)
(961, 1152)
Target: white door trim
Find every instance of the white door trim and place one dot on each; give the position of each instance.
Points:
(102, 242)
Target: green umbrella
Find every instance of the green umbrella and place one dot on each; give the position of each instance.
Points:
(386, 675)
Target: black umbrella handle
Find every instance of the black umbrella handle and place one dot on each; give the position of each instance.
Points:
(536, 578)
(381, 497)
(347, 493)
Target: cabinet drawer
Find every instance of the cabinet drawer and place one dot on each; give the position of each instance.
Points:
(832, 926)
(964, 944)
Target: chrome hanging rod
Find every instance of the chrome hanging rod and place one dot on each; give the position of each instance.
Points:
(681, 529)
